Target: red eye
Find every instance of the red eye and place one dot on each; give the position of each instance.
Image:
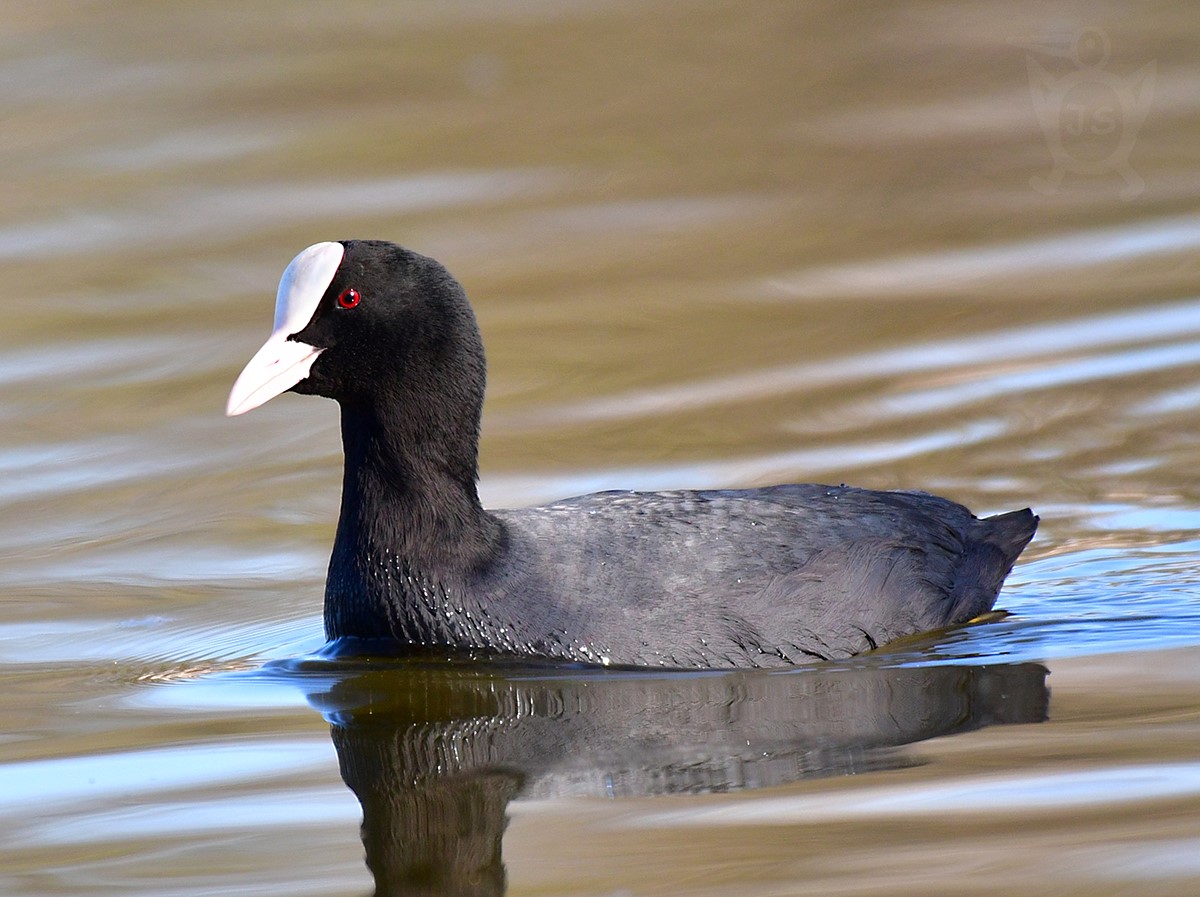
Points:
(349, 298)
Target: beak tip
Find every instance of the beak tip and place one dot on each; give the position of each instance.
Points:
(239, 401)
(235, 407)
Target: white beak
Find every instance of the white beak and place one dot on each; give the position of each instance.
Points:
(282, 363)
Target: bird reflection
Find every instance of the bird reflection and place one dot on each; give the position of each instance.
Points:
(435, 753)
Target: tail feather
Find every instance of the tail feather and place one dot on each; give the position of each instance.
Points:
(1010, 532)
(998, 542)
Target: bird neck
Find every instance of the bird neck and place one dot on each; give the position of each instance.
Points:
(411, 528)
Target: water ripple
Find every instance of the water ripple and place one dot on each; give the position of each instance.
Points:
(1051, 340)
(953, 270)
(1015, 793)
(188, 214)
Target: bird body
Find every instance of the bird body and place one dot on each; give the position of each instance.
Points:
(771, 576)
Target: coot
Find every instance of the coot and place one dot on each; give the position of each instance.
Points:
(725, 578)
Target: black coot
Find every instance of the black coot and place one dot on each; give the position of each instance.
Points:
(727, 578)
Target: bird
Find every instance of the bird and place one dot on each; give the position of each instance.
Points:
(764, 577)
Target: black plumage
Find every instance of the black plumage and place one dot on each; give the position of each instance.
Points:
(757, 577)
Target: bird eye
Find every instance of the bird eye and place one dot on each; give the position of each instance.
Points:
(349, 298)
